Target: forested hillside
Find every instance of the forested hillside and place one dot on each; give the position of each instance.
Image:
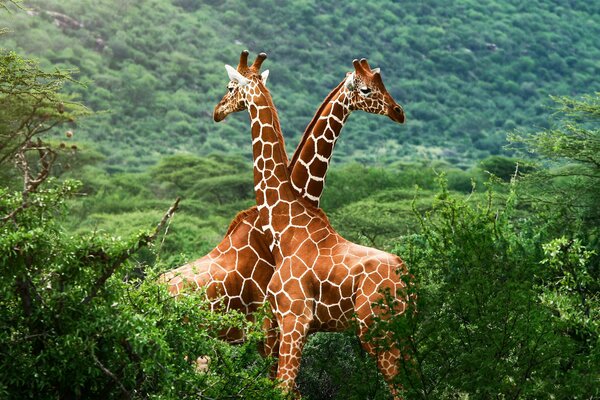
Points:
(466, 71)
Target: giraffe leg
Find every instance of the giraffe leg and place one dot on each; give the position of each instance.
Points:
(270, 346)
(292, 337)
(380, 348)
(387, 361)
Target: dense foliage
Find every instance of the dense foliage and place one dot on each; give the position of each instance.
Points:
(79, 320)
(486, 324)
(466, 71)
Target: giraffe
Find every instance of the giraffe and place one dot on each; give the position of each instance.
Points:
(236, 273)
(321, 282)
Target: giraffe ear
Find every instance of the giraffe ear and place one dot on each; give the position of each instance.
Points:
(376, 70)
(264, 76)
(234, 75)
(350, 82)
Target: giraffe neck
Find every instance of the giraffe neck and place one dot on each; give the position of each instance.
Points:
(274, 193)
(310, 162)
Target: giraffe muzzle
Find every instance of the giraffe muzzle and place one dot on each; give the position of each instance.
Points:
(396, 114)
(218, 115)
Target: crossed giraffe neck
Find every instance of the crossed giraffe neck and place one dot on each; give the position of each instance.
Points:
(235, 274)
(313, 155)
(309, 165)
(274, 192)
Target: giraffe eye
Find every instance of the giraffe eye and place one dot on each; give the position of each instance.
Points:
(365, 91)
(230, 88)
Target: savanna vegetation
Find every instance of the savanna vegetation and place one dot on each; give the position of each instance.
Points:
(114, 173)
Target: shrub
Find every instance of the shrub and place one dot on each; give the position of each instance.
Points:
(482, 327)
(81, 321)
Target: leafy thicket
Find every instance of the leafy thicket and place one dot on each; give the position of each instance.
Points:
(571, 188)
(80, 322)
(466, 71)
(486, 323)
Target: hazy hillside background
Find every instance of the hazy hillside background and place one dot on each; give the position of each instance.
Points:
(466, 71)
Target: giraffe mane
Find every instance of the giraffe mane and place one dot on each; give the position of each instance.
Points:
(311, 125)
(276, 124)
(241, 216)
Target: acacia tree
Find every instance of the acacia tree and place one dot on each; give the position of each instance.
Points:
(31, 105)
(565, 196)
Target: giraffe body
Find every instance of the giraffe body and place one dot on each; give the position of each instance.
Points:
(324, 283)
(230, 283)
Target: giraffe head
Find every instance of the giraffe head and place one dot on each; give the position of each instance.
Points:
(368, 93)
(242, 82)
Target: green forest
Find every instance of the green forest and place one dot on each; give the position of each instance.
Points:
(467, 71)
(112, 172)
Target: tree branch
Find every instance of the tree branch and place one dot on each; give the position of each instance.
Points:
(47, 156)
(111, 375)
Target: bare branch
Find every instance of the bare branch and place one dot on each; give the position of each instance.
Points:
(47, 156)
(108, 373)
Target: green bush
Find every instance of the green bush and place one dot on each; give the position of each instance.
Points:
(486, 325)
(81, 321)
(334, 366)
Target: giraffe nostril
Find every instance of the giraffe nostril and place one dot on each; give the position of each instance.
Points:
(398, 109)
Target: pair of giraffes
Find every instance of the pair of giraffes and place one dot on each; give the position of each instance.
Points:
(284, 249)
